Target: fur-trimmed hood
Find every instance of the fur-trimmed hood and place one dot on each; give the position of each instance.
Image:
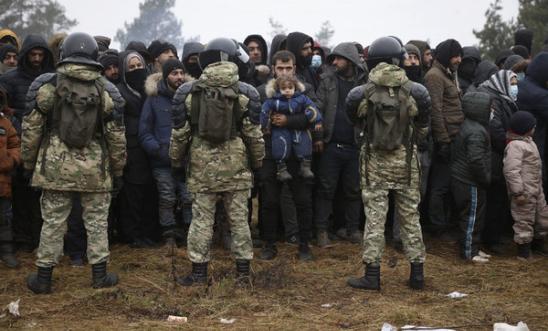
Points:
(155, 83)
(270, 88)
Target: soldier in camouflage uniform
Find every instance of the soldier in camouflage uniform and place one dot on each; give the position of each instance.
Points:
(62, 171)
(395, 170)
(217, 171)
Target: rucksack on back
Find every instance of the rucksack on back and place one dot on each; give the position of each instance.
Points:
(215, 112)
(388, 117)
(77, 110)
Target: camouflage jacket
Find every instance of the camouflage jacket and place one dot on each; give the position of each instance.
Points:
(59, 167)
(226, 166)
(390, 169)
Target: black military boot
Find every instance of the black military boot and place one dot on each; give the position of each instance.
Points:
(40, 282)
(100, 276)
(197, 276)
(538, 247)
(370, 281)
(416, 277)
(242, 272)
(524, 251)
(305, 169)
(282, 174)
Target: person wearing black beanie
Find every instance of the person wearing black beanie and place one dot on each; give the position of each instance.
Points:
(521, 51)
(447, 117)
(170, 65)
(522, 122)
(110, 61)
(161, 51)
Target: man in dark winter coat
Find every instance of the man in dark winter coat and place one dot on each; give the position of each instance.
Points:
(136, 199)
(427, 57)
(8, 57)
(533, 97)
(258, 53)
(34, 59)
(471, 57)
(300, 190)
(190, 59)
(300, 45)
(110, 62)
(161, 51)
(471, 173)
(446, 119)
(339, 164)
(154, 135)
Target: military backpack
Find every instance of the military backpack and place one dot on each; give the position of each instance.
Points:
(77, 110)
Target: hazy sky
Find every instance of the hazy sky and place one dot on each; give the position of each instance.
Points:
(352, 20)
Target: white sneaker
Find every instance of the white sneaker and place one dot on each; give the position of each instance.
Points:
(483, 254)
(480, 259)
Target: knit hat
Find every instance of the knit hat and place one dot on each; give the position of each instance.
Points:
(108, 58)
(157, 47)
(521, 50)
(171, 65)
(511, 61)
(412, 49)
(522, 122)
(5, 49)
(446, 50)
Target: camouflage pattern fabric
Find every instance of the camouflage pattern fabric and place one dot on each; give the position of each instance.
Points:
(58, 167)
(56, 207)
(201, 229)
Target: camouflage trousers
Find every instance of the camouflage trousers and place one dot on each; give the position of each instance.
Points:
(406, 202)
(200, 232)
(56, 207)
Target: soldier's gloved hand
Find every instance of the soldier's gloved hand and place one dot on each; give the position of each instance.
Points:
(117, 184)
(444, 152)
(178, 173)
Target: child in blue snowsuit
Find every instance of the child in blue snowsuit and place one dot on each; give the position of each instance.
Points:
(287, 98)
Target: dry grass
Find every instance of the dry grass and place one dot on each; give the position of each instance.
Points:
(286, 294)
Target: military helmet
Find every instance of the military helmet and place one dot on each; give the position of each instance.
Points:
(385, 49)
(80, 48)
(219, 49)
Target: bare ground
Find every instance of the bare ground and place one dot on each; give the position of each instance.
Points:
(286, 294)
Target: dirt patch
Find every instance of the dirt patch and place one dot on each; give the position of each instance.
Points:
(285, 293)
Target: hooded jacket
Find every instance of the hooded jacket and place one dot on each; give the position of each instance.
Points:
(471, 57)
(137, 169)
(503, 108)
(155, 122)
(471, 152)
(192, 48)
(447, 113)
(294, 43)
(423, 46)
(533, 97)
(484, 71)
(277, 44)
(262, 44)
(328, 94)
(17, 82)
(522, 167)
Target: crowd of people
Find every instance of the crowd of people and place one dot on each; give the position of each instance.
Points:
(144, 147)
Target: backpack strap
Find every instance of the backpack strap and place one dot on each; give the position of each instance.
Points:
(405, 94)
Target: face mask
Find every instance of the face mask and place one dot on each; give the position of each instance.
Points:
(513, 92)
(520, 76)
(194, 70)
(413, 72)
(136, 79)
(316, 61)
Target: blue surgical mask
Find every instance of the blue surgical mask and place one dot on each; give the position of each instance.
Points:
(513, 92)
(316, 61)
(520, 75)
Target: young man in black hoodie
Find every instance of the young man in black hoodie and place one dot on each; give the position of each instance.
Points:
(35, 59)
(258, 52)
(339, 162)
(300, 45)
